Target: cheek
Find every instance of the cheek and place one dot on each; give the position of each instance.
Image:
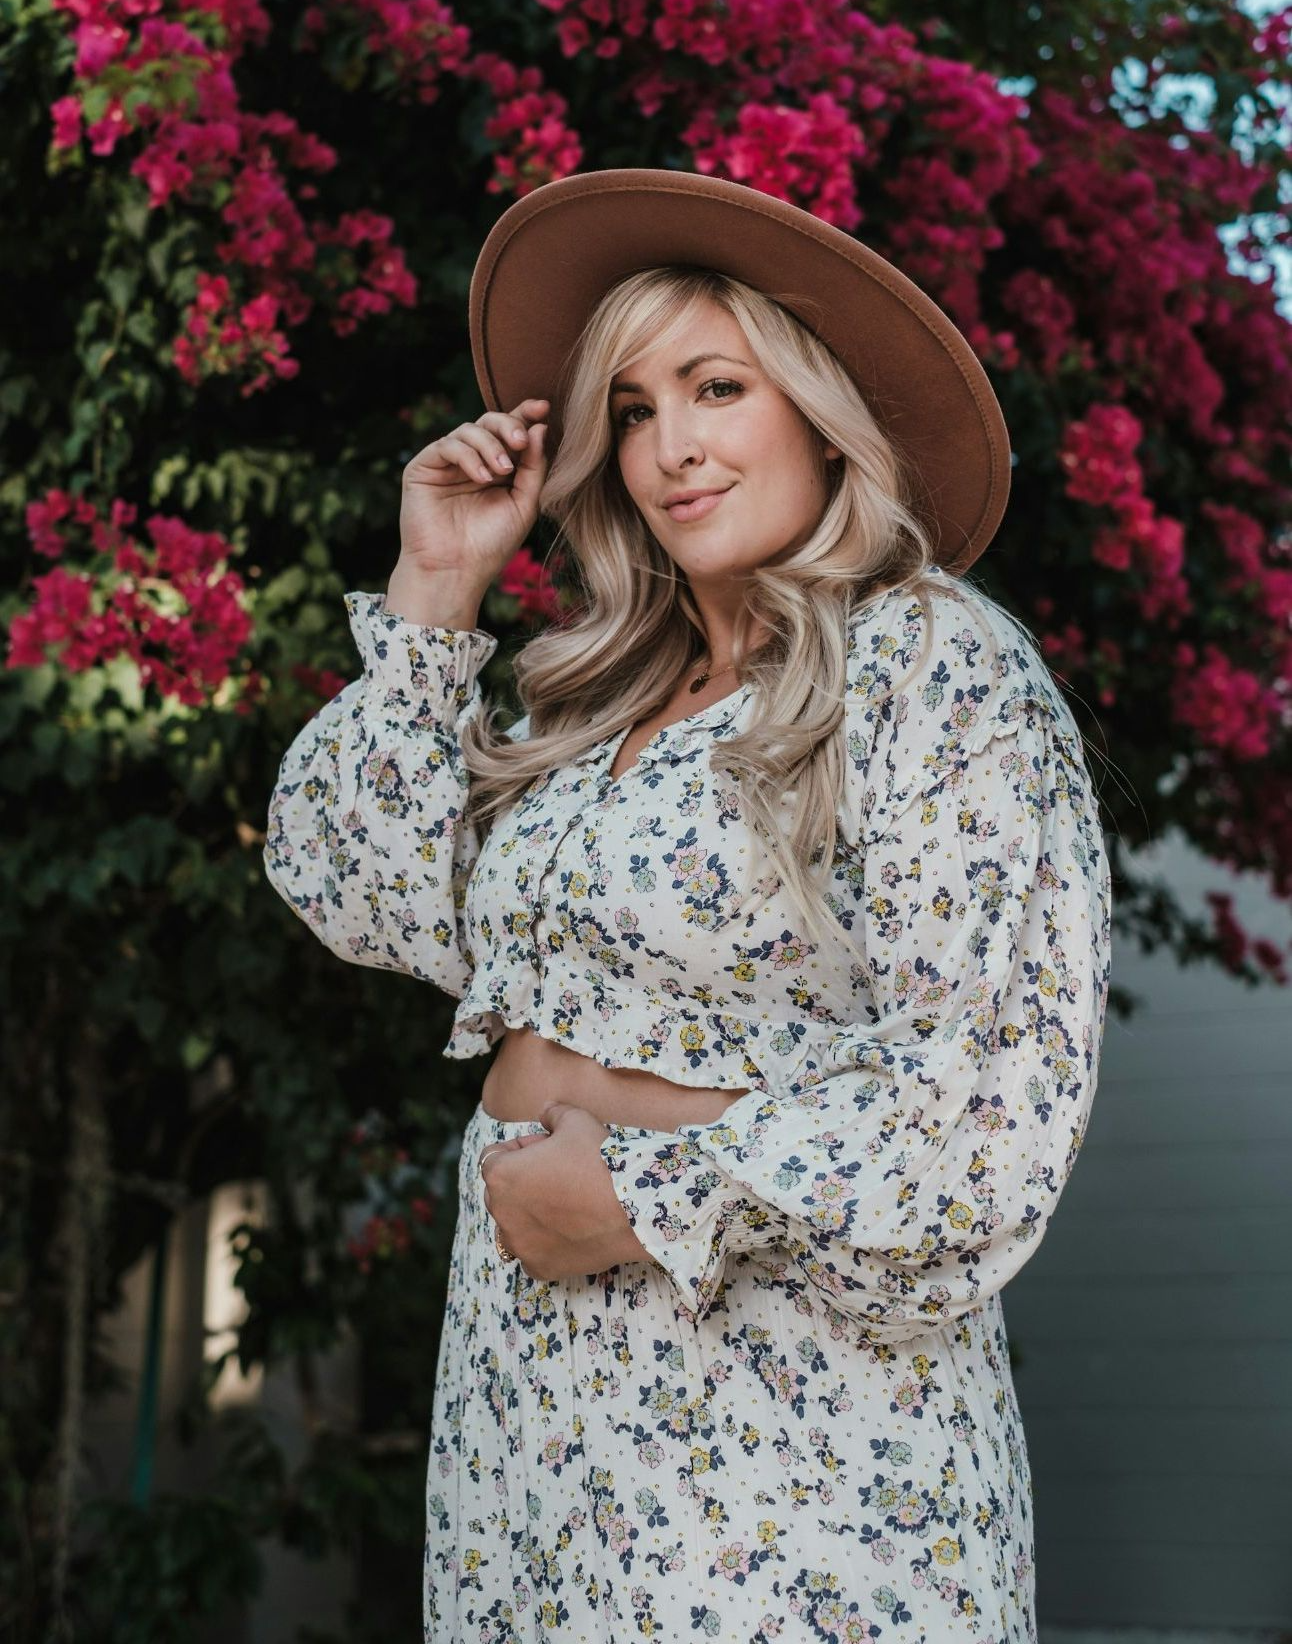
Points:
(632, 471)
(764, 447)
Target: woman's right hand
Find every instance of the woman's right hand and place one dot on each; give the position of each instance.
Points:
(459, 514)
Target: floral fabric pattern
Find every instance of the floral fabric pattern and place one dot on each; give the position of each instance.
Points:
(799, 1421)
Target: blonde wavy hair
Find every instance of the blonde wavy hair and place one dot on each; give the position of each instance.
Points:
(637, 631)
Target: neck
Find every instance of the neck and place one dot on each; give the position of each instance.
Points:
(719, 608)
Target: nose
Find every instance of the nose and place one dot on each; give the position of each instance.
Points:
(676, 441)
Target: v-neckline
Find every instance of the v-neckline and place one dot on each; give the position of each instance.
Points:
(718, 712)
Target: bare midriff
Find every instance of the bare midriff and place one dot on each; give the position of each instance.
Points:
(530, 1071)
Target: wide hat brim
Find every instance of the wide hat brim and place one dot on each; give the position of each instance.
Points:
(553, 254)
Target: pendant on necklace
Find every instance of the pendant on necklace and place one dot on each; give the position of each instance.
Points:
(699, 683)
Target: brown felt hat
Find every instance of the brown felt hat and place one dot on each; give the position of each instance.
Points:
(553, 254)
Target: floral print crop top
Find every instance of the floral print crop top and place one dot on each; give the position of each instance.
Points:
(915, 1096)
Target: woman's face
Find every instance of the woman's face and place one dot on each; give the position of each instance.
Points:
(723, 426)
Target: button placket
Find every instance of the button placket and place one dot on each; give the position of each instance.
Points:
(540, 908)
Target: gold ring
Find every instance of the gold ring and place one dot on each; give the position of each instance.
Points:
(507, 1255)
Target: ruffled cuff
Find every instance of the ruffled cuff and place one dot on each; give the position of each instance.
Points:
(688, 1214)
(429, 671)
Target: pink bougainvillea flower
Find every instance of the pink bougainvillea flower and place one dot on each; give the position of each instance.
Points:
(173, 607)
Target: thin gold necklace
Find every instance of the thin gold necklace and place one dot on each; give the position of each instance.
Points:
(701, 680)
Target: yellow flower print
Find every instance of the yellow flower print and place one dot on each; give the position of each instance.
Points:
(946, 1551)
(960, 1216)
(578, 884)
(692, 1037)
(745, 971)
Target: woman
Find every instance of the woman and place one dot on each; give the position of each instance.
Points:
(786, 907)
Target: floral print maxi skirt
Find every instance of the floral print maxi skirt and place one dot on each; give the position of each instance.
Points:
(602, 1470)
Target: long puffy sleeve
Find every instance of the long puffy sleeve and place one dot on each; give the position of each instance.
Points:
(906, 1173)
(366, 839)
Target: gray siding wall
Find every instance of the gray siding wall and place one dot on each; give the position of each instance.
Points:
(1153, 1327)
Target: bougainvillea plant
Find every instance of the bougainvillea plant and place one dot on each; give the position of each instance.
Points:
(236, 261)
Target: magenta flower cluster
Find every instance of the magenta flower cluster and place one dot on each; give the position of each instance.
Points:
(171, 84)
(172, 606)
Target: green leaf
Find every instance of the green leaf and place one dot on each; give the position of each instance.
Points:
(122, 673)
(133, 216)
(315, 618)
(195, 1049)
(287, 586)
(120, 286)
(85, 689)
(97, 357)
(141, 327)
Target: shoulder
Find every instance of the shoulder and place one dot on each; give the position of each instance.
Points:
(929, 683)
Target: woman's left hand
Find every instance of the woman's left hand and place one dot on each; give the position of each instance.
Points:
(551, 1198)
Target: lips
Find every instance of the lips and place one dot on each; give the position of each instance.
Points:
(697, 507)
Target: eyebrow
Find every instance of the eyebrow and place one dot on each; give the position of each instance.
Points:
(682, 372)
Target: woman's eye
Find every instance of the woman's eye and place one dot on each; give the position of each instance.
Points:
(716, 382)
